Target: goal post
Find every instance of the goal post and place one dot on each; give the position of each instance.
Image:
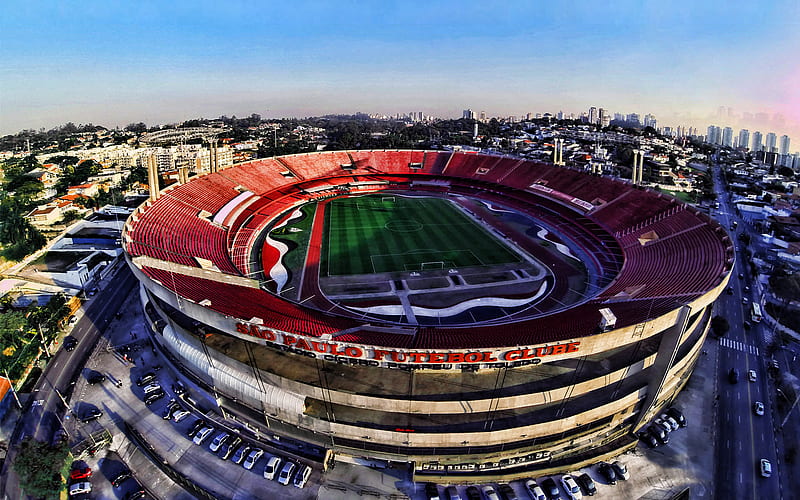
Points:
(388, 198)
(437, 264)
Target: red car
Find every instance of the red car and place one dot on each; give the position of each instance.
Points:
(80, 473)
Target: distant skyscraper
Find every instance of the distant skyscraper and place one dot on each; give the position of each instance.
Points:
(757, 142)
(633, 120)
(714, 135)
(770, 143)
(604, 117)
(560, 115)
(619, 117)
(744, 138)
(727, 137)
(650, 121)
(483, 115)
(468, 114)
(784, 145)
(593, 118)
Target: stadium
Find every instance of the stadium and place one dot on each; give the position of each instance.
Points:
(477, 317)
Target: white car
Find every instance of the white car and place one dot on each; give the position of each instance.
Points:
(571, 487)
(758, 408)
(667, 428)
(751, 375)
(218, 441)
(286, 473)
(80, 488)
(302, 476)
(534, 490)
(252, 458)
(180, 415)
(202, 435)
(490, 492)
(766, 468)
(272, 467)
(151, 388)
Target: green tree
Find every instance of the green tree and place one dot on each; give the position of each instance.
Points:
(786, 286)
(38, 467)
(720, 325)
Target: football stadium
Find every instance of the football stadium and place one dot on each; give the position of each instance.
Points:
(476, 317)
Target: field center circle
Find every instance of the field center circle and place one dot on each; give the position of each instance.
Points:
(403, 225)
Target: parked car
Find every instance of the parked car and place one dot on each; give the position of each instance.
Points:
(473, 493)
(431, 491)
(155, 386)
(551, 489)
(286, 473)
(659, 433)
(648, 439)
(70, 343)
(586, 482)
(621, 470)
(79, 473)
(272, 467)
(92, 414)
(252, 458)
(181, 414)
(95, 378)
(120, 478)
(673, 424)
(766, 468)
(507, 491)
(202, 434)
(196, 426)
(758, 408)
(145, 379)
(59, 437)
(659, 422)
(302, 476)
(534, 490)
(451, 493)
(178, 387)
(571, 487)
(153, 397)
(227, 449)
(136, 494)
(218, 441)
(80, 488)
(241, 452)
(171, 408)
(490, 493)
(607, 472)
(676, 413)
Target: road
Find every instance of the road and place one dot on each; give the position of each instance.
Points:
(743, 438)
(46, 408)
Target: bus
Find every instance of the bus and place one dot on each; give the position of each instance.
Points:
(755, 313)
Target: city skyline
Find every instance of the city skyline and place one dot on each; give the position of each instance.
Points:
(114, 65)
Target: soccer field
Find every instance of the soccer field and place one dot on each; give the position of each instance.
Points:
(380, 233)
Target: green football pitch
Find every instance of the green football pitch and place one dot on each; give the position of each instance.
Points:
(380, 233)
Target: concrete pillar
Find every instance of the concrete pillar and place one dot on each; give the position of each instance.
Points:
(152, 176)
(635, 173)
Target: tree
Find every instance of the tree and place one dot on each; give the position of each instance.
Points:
(720, 325)
(38, 466)
(786, 286)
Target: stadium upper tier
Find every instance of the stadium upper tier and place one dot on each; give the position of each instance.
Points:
(651, 253)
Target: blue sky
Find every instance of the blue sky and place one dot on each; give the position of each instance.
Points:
(113, 63)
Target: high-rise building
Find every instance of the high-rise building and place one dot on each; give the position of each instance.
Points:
(757, 142)
(483, 116)
(560, 115)
(727, 137)
(650, 121)
(784, 145)
(633, 120)
(770, 144)
(468, 114)
(604, 117)
(593, 118)
(619, 117)
(744, 138)
(714, 135)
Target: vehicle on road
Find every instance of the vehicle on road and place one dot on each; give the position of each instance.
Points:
(571, 487)
(587, 484)
(751, 375)
(218, 441)
(733, 376)
(534, 490)
(202, 434)
(70, 343)
(272, 467)
(551, 489)
(758, 408)
(302, 476)
(286, 473)
(766, 468)
(252, 458)
(92, 414)
(621, 470)
(607, 472)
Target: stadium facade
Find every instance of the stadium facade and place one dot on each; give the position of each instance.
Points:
(541, 369)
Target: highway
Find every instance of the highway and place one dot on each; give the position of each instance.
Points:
(46, 408)
(743, 438)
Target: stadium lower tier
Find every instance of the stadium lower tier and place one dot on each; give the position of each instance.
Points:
(480, 423)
